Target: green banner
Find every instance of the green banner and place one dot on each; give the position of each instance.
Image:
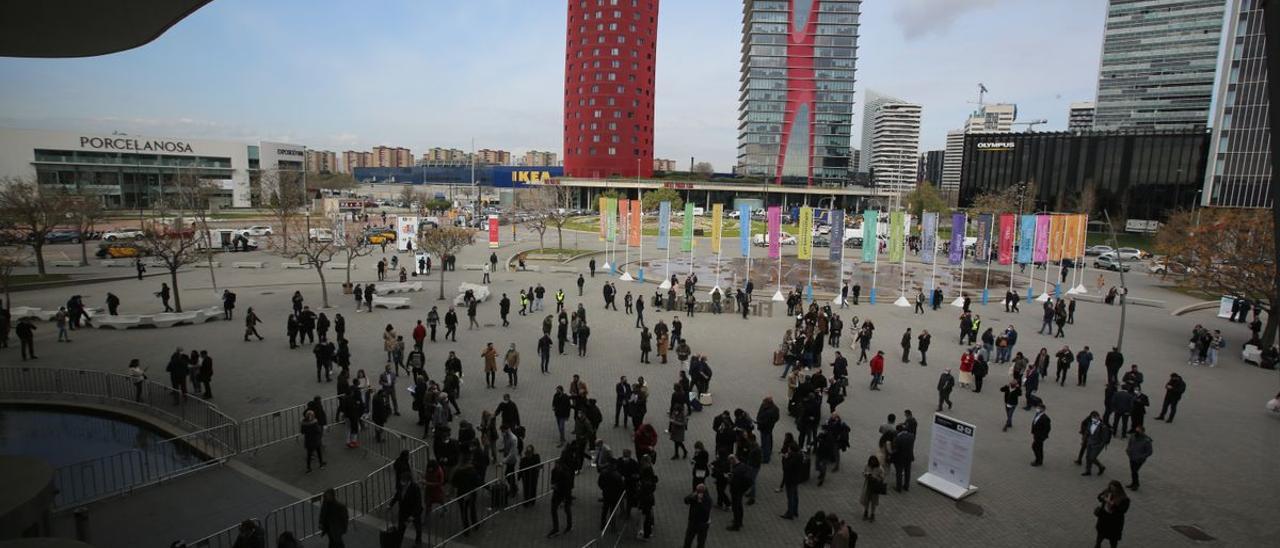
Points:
(612, 215)
(870, 245)
(897, 229)
(686, 243)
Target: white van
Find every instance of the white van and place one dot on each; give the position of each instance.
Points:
(321, 235)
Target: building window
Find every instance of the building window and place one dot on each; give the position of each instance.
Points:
(613, 151)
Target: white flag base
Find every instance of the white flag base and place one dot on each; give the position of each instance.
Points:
(626, 276)
(606, 266)
(958, 303)
(1078, 290)
(714, 290)
(902, 301)
(948, 489)
(1043, 297)
(665, 285)
(778, 296)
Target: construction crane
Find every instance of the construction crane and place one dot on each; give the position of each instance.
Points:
(1031, 125)
(982, 91)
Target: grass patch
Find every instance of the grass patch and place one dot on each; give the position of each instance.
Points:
(553, 253)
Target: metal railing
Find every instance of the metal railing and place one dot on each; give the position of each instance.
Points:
(281, 425)
(225, 538)
(212, 441)
(614, 526)
(446, 522)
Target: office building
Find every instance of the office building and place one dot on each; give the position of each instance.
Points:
(610, 55)
(445, 156)
(1080, 116)
(664, 165)
(992, 118)
(539, 158)
(1239, 173)
(891, 135)
(493, 157)
(322, 161)
(133, 171)
(384, 156)
(1131, 174)
(1158, 64)
(930, 169)
(796, 98)
(352, 159)
(951, 163)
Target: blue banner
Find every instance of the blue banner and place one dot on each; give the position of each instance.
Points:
(1026, 238)
(929, 237)
(664, 224)
(870, 245)
(955, 252)
(744, 232)
(837, 234)
(982, 249)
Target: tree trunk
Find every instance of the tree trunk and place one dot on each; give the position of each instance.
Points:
(324, 289)
(441, 280)
(177, 300)
(350, 259)
(560, 236)
(84, 251)
(542, 240)
(284, 235)
(37, 246)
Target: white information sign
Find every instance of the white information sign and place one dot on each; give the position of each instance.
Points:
(1224, 306)
(950, 458)
(406, 231)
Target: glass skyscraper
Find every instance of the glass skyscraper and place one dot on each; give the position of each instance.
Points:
(1158, 63)
(1239, 173)
(796, 97)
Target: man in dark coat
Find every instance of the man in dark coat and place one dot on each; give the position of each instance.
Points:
(699, 516)
(1114, 361)
(333, 519)
(740, 480)
(1040, 426)
(1172, 395)
(904, 453)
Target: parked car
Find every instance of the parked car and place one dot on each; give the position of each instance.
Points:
(824, 229)
(822, 240)
(1130, 253)
(855, 241)
(761, 240)
(321, 235)
(122, 234)
(1109, 261)
(1098, 250)
(1162, 265)
(124, 250)
(256, 230)
(61, 236)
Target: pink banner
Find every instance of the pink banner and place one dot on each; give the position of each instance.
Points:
(775, 228)
(1041, 254)
(493, 231)
(1005, 245)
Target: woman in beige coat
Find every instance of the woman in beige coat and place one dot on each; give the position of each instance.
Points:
(389, 342)
(872, 483)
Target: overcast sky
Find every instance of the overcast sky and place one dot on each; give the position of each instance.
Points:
(423, 73)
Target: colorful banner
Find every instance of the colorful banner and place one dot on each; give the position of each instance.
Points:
(1026, 238)
(1042, 239)
(611, 215)
(604, 217)
(837, 234)
(1071, 242)
(897, 235)
(1057, 236)
(744, 231)
(929, 237)
(1004, 250)
(637, 223)
(624, 220)
(717, 226)
(955, 255)
(804, 242)
(664, 224)
(774, 217)
(686, 242)
(870, 246)
(982, 248)
(493, 231)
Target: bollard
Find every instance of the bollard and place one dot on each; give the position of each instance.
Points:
(82, 524)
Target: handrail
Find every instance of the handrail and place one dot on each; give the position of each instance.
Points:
(497, 488)
(608, 524)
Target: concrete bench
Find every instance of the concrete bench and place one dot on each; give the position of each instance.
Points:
(206, 264)
(209, 314)
(19, 312)
(249, 264)
(118, 322)
(65, 264)
(169, 319)
(156, 263)
(340, 266)
(473, 267)
(399, 287)
(563, 270)
(391, 302)
(291, 266)
(115, 263)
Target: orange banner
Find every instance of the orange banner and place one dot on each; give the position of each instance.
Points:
(1071, 240)
(637, 223)
(1057, 236)
(604, 222)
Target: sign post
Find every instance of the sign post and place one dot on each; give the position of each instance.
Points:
(950, 458)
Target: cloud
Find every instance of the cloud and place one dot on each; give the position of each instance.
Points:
(919, 18)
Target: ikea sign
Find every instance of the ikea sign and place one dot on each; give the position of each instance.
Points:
(521, 176)
(530, 176)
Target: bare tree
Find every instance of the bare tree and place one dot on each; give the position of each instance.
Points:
(551, 205)
(353, 245)
(538, 203)
(283, 196)
(31, 211)
(11, 257)
(298, 244)
(442, 242)
(84, 210)
(168, 232)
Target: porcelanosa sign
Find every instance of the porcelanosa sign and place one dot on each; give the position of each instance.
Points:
(128, 143)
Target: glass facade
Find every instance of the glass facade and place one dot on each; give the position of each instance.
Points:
(124, 180)
(796, 101)
(1158, 64)
(1240, 158)
(1134, 175)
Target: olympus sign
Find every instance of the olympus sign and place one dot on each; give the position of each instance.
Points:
(997, 145)
(123, 143)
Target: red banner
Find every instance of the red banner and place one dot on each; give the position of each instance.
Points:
(493, 231)
(1008, 224)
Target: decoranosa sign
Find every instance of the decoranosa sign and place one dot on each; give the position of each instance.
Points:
(128, 143)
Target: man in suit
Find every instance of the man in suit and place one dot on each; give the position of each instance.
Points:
(946, 382)
(622, 393)
(1099, 435)
(1084, 435)
(1172, 394)
(1040, 426)
(1121, 405)
(904, 453)
(741, 476)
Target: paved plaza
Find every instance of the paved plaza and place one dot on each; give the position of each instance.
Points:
(1210, 469)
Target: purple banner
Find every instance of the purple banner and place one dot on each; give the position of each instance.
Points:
(774, 217)
(1042, 239)
(837, 234)
(955, 255)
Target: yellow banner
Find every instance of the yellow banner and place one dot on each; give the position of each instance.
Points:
(717, 226)
(804, 248)
(1057, 236)
(1071, 234)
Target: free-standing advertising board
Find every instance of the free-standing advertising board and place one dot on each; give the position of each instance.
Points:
(950, 458)
(406, 231)
(493, 232)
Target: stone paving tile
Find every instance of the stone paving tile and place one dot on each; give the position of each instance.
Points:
(1208, 458)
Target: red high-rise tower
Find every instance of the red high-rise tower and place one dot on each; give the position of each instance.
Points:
(610, 53)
